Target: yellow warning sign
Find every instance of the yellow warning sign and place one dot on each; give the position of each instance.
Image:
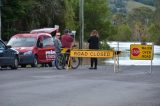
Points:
(141, 52)
(92, 53)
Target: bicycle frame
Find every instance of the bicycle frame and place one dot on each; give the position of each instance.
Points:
(64, 58)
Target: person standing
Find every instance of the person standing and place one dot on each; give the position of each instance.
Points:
(57, 43)
(93, 44)
(66, 39)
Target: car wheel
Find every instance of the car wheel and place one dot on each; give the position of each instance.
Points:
(3, 66)
(15, 65)
(23, 65)
(35, 62)
(50, 64)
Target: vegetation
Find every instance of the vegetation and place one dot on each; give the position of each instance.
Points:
(141, 21)
(22, 16)
(96, 13)
(155, 26)
(104, 45)
(138, 24)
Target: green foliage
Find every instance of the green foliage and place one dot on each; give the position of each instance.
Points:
(123, 33)
(119, 19)
(23, 15)
(69, 15)
(96, 13)
(153, 30)
(142, 14)
(19, 15)
(139, 19)
(104, 45)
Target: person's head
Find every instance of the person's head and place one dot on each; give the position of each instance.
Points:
(58, 35)
(94, 33)
(66, 31)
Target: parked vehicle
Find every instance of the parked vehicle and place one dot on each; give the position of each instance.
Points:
(8, 56)
(35, 48)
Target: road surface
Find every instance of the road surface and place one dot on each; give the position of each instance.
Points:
(47, 86)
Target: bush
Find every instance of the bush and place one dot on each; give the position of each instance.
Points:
(104, 45)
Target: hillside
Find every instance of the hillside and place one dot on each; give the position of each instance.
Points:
(133, 4)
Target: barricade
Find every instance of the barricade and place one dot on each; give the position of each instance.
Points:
(92, 53)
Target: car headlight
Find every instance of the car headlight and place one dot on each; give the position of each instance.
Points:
(28, 53)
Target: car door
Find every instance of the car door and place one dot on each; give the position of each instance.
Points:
(40, 49)
(48, 48)
(6, 55)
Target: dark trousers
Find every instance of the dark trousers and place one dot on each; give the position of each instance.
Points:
(94, 62)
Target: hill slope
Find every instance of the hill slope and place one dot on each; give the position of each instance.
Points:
(133, 4)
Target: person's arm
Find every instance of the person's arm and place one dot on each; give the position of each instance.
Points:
(60, 44)
(98, 44)
(89, 40)
(56, 43)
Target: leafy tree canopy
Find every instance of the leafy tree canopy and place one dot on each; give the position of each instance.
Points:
(96, 17)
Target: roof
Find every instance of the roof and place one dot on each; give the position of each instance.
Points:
(31, 34)
(44, 30)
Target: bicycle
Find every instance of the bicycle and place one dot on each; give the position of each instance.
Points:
(62, 59)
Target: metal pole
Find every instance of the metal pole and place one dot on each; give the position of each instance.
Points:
(81, 16)
(152, 57)
(114, 61)
(118, 56)
(82, 22)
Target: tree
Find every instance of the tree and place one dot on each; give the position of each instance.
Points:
(12, 11)
(123, 33)
(96, 15)
(142, 14)
(139, 20)
(154, 28)
(19, 15)
(42, 13)
(118, 19)
(69, 16)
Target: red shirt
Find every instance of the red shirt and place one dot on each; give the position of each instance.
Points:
(66, 41)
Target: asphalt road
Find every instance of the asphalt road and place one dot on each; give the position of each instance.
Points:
(45, 86)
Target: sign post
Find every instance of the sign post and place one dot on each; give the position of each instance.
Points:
(152, 56)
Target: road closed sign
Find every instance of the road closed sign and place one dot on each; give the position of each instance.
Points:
(92, 53)
(141, 52)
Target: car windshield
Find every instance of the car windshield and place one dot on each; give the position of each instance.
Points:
(22, 42)
(2, 46)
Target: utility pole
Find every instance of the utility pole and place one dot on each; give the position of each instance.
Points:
(81, 23)
(81, 17)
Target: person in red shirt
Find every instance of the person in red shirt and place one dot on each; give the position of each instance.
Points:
(66, 39)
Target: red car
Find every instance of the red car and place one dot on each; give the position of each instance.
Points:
(34, 48)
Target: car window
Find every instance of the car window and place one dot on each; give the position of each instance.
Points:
(22, 42)
(47, 41)
(2, 46)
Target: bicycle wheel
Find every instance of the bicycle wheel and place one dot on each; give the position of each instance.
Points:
(75, 62)
(60, 61)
